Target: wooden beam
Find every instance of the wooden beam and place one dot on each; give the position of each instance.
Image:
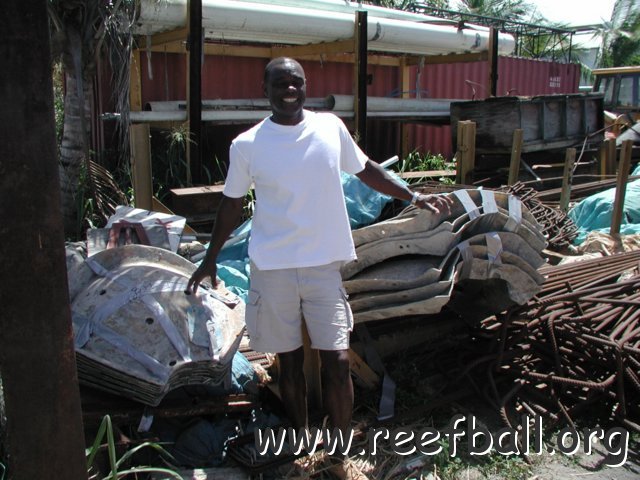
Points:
(341, 46)
(607, 156)
(621, 186)
(452, 58)
(159, 39)
(363, 373)
(428, 174)
(267, 52)
(516, 153)
(139, 137)
(466, 152)
(129, 412)
(217, 49)
(196, 202)
(158, 206)
(405, 88)
(380, 60)
(567, 179)
(135, 83)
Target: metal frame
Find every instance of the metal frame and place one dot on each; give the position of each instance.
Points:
(551, 40)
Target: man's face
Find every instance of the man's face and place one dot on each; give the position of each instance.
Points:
(285, 87)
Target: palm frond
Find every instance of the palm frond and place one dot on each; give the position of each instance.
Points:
(120, 41)
(105, 193)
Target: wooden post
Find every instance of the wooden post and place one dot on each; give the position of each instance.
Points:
(362, 372)
(405, 77)
(466, 152)
(602, 158)
(607, 156)
(360, 97)
(516, 153)
(621, 186)
(139, 138)
(567, 178)
(135, 83)
(194, 92)
(41, 431)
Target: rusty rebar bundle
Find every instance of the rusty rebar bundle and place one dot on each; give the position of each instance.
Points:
(571, 352)
(559, 229)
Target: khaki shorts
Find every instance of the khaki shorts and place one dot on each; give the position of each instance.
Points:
(278, 300)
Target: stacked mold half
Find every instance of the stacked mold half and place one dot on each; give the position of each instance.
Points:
(481, 256)
(139, 334)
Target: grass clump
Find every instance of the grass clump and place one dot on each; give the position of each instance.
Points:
(424, 162)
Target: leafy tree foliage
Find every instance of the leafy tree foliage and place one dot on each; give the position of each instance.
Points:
(515, 10)
(409, 4)
(79, 34)
(621, 46)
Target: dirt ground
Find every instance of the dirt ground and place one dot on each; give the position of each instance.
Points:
(591, 466)
(414, 390)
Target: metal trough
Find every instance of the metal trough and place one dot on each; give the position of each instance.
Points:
(548, 122)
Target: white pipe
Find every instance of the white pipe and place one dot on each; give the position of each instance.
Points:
(390, 161)
(219, 116)
(325, 103)
(352, 7)
(207, 116)
(254, 116)
(260, 22)
(166, 116)
(385, 104)
(343, 103)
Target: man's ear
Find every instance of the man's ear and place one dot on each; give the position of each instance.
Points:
(264, 90)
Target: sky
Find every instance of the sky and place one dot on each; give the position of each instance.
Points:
(572, 12)
(575, 12)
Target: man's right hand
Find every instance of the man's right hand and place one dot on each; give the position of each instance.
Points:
(201, 274)
(228, 217)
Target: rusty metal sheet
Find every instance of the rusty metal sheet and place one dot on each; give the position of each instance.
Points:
(410, 264)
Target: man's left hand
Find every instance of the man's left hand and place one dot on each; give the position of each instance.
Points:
(434, 202)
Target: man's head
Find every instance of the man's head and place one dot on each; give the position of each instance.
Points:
(286, 88)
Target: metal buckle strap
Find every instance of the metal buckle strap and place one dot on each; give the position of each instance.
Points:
(143, 293)
(515, 214)
(467, 202)
(386, 407)
(489, 201)
(494, 248)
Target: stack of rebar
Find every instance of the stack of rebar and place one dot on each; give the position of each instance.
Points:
(559, 229)
(573, 350)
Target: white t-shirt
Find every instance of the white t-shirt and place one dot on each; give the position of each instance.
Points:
(300, 217)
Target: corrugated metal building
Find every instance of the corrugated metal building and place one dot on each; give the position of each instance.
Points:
(516, 76)
(164, 78)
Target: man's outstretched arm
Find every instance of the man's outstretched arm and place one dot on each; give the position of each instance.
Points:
(376, 177)
(227, 219)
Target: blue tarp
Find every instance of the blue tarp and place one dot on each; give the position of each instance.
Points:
(364, 206)
(594, 213)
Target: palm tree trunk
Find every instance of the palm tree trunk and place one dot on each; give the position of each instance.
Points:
(74, 152)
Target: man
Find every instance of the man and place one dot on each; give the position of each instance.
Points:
(300, 237)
